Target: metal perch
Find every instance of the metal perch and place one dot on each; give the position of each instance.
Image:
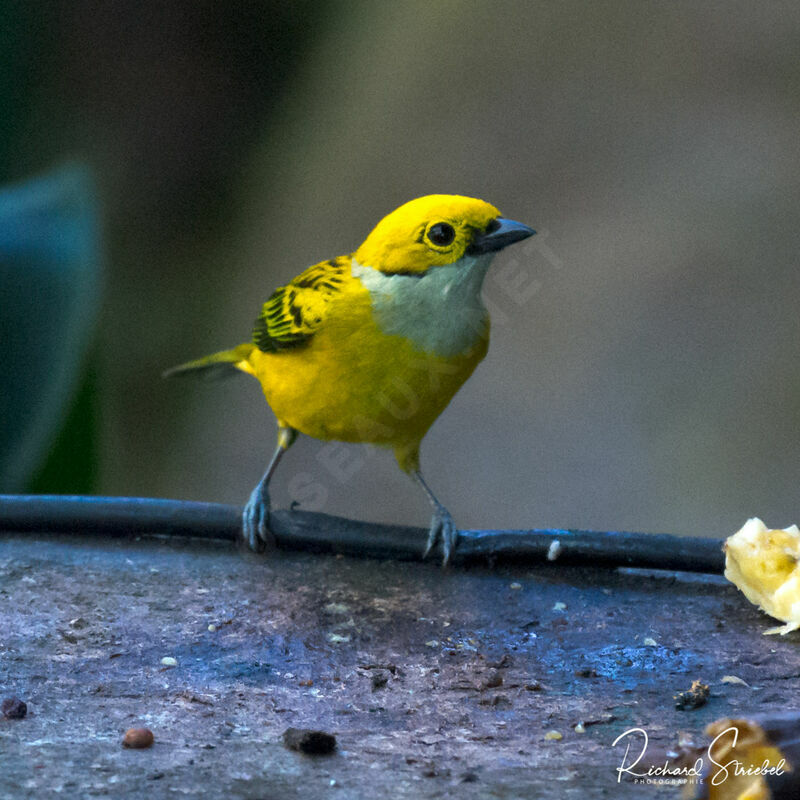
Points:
(323, 533)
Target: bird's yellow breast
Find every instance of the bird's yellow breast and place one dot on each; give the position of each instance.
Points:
(385, 363)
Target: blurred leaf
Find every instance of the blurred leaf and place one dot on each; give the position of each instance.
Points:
(50, 262)
(72, 463)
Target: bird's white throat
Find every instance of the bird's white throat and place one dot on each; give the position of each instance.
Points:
(441, 311)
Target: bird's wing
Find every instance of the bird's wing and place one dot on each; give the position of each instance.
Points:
(294, 312)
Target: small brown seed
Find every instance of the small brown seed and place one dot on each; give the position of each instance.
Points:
(493, 680)
(379, 679)
(14, 708)
(138, 738)
(310, 742)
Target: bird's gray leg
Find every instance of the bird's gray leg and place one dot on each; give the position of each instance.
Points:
(255, 519)
(442, 525)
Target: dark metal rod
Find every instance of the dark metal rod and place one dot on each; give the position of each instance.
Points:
(307, 530)
(118, 516)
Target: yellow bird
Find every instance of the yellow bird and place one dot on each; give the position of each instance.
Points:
(372, 346)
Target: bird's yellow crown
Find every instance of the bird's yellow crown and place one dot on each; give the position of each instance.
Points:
(431, 231)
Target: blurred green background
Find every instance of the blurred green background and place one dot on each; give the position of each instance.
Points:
(643, 370)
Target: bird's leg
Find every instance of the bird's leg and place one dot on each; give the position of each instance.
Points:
(255, 519)
(442, 525)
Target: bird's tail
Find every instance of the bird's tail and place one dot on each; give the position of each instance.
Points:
(218, 365)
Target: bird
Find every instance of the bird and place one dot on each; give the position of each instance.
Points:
(371, 347)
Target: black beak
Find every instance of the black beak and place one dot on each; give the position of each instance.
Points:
(499, 234)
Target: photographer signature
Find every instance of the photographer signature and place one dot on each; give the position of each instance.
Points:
(694, 771)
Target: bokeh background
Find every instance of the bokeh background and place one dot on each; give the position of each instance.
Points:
(643, 371)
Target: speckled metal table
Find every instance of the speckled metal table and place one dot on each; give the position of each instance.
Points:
(434, 682)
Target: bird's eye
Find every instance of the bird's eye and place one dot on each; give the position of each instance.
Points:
(441, 234)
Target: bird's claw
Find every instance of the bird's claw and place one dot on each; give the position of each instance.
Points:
(442, 527)
(255, 521)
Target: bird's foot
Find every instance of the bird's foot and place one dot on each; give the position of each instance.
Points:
(255, 521)
(442, 527)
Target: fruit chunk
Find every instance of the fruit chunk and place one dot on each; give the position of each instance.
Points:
(765, 565)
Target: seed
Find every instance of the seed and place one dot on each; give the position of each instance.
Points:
(14, 708)
(138, 738)
(309, 742)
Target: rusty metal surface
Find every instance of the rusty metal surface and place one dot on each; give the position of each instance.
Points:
(434, 682)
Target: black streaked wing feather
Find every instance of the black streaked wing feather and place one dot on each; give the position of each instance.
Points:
(294, 312)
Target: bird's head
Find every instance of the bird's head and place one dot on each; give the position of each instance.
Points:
(437, 230)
